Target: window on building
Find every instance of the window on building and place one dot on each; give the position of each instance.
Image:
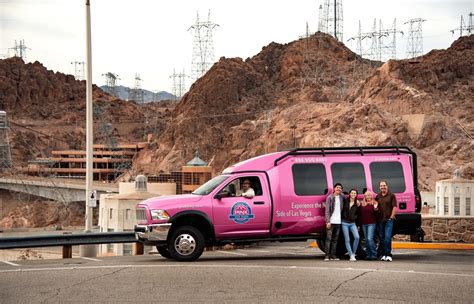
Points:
(438, 205)
(350, 175)
(468, 191)
(127, 249)
(468, 206)
(110, 247)
(446, 206)
(457, 206)
(128, 213)
(110, 213)
(392, 172)
(309, 179)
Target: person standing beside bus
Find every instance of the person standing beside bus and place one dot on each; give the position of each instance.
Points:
(334, 203)
(368, 219)
(349, 216)
(388, 209)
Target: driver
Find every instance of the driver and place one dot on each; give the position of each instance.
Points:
(247, 190)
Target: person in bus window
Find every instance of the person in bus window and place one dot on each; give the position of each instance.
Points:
(368, 219)
(350, 210)
(388, 209)
(334, 203)
(247, 190)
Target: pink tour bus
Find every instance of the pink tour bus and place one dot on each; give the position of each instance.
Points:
(290, 190)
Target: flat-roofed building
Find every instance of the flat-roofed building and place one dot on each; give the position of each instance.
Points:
(454, 196)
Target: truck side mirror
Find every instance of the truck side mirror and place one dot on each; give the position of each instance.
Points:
(222, 194)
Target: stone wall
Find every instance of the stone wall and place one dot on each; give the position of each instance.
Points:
(445, 229)
(452, 229)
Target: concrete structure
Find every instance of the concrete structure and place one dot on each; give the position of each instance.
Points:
(117, 211)
(108, 162)
(57, 190)
(454, 196)
(195, 173)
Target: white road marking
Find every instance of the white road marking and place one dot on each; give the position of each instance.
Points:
(91, 259)
(11, 263)
(233, 253)
(254, 250)
(204, 265)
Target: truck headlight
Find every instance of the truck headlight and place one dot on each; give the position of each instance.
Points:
(159, 214)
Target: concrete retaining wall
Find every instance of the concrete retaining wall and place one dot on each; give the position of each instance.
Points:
(446, 229)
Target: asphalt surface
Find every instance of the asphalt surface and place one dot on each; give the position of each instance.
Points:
(281, 273)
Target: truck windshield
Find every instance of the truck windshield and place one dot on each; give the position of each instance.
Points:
(210, 185)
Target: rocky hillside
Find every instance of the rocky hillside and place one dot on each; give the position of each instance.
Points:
(46, 111)
(316, 92)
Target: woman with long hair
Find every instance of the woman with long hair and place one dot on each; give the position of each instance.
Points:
(349, 216)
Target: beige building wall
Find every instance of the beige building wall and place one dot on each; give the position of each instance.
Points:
(454, 197)
(117, 212)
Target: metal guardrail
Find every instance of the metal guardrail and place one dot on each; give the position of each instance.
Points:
(67, 240)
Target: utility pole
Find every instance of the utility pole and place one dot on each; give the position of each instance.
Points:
(89, 250)
(469, 29)
(78, 70)
(203, 46)
(415, 37)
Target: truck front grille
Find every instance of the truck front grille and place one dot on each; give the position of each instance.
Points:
(141, 215)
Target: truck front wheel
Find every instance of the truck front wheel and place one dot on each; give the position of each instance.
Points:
(186, 244)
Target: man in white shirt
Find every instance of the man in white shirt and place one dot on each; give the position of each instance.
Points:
(247, 190)
(334, 203)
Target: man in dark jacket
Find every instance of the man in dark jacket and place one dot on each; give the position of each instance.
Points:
(334, 203)
(388, 209)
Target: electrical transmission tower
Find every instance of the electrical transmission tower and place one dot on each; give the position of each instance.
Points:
(333, 18)
(415, 37)
(203, 46)
(179, 85)
(469, 29)
(111, 83)
(19, 50)
(136, 93)
(379, 48)
(5, 152)
(322, 24)
(78, 70)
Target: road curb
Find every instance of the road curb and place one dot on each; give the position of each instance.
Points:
(414, 245)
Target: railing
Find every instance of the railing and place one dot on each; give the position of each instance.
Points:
(69, 240)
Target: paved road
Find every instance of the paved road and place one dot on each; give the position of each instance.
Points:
(284, 273)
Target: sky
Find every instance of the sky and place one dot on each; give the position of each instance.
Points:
(151, 37)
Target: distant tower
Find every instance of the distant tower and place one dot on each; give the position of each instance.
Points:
(415, 37)
(136, 93)
(78, 70)
(179, 84)
(389, 50)
(111, 83)
(19, 50)
(321, 21)
(203, 46)
(5, 152)
(463, 29)
(333, 18)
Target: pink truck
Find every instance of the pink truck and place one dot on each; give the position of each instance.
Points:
(290, 189)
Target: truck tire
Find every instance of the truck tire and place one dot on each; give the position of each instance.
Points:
(186, 243)
(340, 249)
(163, 251)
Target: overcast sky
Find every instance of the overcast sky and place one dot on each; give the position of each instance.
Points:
(151, 37)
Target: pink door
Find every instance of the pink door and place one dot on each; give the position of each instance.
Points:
(237, 216)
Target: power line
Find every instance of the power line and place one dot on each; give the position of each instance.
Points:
(111, 83)
(136, 94)
(78, 70)
(19, 50)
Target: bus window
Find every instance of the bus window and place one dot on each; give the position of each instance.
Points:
(350, 175)
(392, 172)
(309, 179)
